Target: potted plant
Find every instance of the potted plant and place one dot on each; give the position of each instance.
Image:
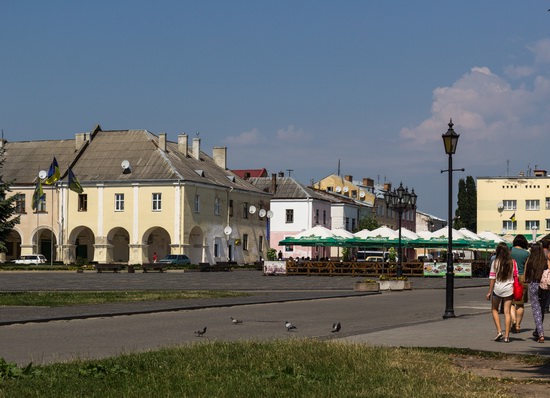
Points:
(367, 285)
(388, 282)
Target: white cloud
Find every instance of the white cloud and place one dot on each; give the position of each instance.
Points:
(291, 134)
(247, 138)
(518, 72)
(541, 50)
(485, 106)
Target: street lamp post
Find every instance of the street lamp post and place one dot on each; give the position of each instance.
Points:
(400, 200)
(450, 140)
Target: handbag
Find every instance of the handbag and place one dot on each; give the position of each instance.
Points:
(518, 287)
(545, 280)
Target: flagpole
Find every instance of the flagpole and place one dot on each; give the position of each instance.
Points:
(51, 232)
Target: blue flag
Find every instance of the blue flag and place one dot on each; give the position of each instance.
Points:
(53, 173)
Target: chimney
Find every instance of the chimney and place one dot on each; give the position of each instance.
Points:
(80, 139)
(182, 144)
(348, 178)
(273, 183)
(281, 173)
(220, 156)
(387, 186)
(162, 142)
(368, 182)
(197, 148)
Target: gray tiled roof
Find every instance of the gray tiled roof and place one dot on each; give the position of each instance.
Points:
(100, 161)
(287, 188)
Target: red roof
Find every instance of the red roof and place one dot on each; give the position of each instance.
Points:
(247, 173)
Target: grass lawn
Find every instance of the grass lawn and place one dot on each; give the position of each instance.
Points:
(56, 298)
(289, 368)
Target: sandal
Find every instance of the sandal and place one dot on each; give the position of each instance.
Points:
(541, 339)
(499, 336)
(506, 340)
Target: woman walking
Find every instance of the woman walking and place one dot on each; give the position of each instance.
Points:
(501, 289)
(535, 266)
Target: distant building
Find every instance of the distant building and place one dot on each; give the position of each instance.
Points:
(514, 205)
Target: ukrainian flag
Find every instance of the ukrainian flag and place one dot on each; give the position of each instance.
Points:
(53, 174)
(37, 196)
(74, 184)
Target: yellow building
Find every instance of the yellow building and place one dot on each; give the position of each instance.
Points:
(142, 194)
(514, 204)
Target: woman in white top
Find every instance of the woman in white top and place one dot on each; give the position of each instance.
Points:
(501, 288)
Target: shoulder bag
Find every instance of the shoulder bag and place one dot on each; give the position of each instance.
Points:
(518, 287)
(545, 280)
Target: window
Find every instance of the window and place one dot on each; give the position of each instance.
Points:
(289, 216)
(216, 250)
(41, 204)
(82, 202)
(548, 223)
(157, 202)
(245, 210)
(231, 208)
(316, 216)
(509, 225)
(353, 224)
(324, 217)
(260, 243)
(532, 204)
(532, 224)
(510, 204)
(197, 203)
(354, 193)
(347, 223)
(547, 201)
(20, 203)
(245, 241)
(217, 206)
(119, 202)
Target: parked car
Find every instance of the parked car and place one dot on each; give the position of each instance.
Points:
(375, 259)
(176, 259)
(31, 259)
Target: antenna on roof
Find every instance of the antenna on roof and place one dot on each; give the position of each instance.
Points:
(338, 167)
(289, 171)
(198, 133)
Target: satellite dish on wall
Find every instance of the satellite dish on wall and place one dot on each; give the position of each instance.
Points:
(500, 206)
(262, 213)
(269, 214)
(42, 174)
(362, 194)
(227, 230)
(252, 209)
(338, 189)
(346, 189)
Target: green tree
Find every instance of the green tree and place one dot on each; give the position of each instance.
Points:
(368, 222)
(466, 212)
(7, 210)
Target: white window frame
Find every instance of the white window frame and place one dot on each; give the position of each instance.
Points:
(289, 216)
(532, 204)
(529, 224)
(119, 202)
(157, 201)
(510, 204)
(509, 225)
(547, 224)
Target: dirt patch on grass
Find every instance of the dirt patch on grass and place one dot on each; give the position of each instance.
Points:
(523, 379)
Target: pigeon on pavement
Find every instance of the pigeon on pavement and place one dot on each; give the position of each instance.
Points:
(235, 321)
(289, 326)
(199, 333)
(336, 327)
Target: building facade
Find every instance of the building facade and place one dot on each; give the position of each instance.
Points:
(514, 204)
(142, 194)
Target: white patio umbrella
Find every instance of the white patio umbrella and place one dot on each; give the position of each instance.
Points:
(342, 233)
(317, 231)
(469, 234)
(408, 234)
(491, 236)
(382, 232)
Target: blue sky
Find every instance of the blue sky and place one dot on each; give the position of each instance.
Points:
(295, 85)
